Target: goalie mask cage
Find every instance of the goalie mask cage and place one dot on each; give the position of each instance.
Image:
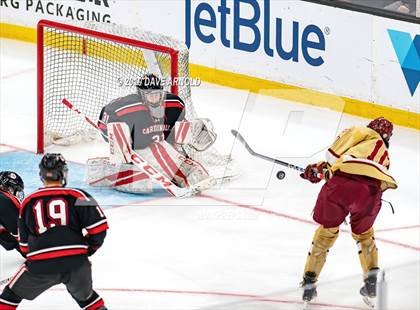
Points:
(93, 64)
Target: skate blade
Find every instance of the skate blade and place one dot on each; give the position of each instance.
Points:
(305, 305)
(369, 301)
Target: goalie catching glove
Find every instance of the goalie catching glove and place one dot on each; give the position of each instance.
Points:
(198, 134)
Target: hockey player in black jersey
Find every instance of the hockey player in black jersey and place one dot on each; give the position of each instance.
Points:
(11, 194)
(157, 129)
(51, 224)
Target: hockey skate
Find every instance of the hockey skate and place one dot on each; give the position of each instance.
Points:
(368, 291)
(309, 288)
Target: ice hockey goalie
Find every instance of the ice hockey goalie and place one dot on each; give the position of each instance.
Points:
(151, 122)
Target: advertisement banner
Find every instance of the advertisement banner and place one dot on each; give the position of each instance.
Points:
(327, 49)
(396, 74)
(291, 42)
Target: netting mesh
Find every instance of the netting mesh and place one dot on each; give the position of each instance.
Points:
(90, 71)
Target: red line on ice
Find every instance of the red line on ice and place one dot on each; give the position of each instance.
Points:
(294, 218)
(8, 76)
(226, 294)
(397, 228)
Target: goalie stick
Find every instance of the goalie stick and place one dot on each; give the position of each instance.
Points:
(141, 163)
(265, 157)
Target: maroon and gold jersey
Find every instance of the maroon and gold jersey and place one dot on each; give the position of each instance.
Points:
(362, 151)
(144, 128)
(51, 225)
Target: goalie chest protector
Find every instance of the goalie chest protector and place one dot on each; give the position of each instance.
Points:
(144, 128)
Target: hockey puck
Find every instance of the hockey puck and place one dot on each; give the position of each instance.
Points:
(280, 175)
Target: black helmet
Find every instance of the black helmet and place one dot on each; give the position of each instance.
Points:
(149, 81)
(53, 167)
(12, 183)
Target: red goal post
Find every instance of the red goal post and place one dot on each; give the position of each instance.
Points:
(46, 24)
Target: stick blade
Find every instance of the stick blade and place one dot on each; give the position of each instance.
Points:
(234, 133)
(238, 136)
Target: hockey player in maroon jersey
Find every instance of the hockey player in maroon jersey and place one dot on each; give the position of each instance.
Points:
(11, 194)
(159, 132)
(51, 224)
(356, 173)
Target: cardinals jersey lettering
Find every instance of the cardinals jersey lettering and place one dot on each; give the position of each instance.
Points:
(144, 128)
(51, 225)
(361, 150)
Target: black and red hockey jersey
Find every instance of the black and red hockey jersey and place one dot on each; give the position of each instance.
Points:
(144, 128)
(9, 213)
(51, 225)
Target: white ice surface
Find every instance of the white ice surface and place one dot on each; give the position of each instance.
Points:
(241, 246)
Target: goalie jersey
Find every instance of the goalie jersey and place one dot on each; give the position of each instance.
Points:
(51, 225)
(144, 128)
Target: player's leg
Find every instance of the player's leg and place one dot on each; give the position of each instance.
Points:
(323, 240)
(329, 213)
(368, 256)
(79, 285)
(363, 214)
(26, 285)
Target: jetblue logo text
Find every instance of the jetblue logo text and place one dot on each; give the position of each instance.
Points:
(205, 19)
(408, 54)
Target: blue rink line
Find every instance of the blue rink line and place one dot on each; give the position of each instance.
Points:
(26, 165)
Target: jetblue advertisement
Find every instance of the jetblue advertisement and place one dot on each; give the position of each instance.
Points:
(246, 25)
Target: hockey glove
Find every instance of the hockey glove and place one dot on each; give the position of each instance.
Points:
(314, 172)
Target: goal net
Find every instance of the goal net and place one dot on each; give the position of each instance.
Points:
(93, 64)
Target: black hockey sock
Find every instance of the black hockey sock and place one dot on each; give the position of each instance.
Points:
(8, 299)
(94, 302)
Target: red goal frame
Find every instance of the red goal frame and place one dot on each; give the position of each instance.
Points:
(97, 34)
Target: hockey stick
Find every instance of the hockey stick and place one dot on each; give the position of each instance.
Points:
(265, 157)
(141, 163)
(253, 153)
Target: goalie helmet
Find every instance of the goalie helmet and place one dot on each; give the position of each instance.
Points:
(53, 168)
(382, 126)
(12, 183)
(151, 92)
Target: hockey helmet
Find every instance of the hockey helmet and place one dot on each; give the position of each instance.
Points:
(53, 168)
(382, 126)
(151, 91)
(12, 183)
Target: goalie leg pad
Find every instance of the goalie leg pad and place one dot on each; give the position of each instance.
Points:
(124, 177)
(119, 139)
(368, 252)
(197, 175)
(184, 172)
(323, 240)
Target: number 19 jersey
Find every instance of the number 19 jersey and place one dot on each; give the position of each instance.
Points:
(59, 227)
